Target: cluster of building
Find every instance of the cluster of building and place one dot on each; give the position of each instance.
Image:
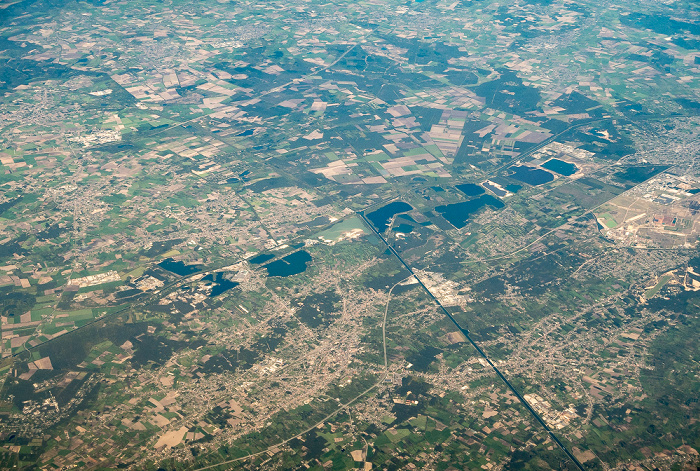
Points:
(92, 280)
(97, 137)
(446, 291)
(552, 417)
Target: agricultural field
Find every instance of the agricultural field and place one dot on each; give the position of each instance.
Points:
(349, 235)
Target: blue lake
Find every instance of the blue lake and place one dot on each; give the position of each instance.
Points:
(179, 268)
(221, 284)
(530, 175)
(459, 213)
(560, 167)
(381, 217)
(470, 189)
(292, 264)
(513, 188)
(261, 258)
(404, 228)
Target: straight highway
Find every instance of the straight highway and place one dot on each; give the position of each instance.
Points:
(478, 349)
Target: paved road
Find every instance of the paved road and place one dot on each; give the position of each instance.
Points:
(343, 407)
(478, 349)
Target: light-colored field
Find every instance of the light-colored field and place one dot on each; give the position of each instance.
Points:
(172, 438)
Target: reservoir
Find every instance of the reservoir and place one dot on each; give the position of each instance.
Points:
(179, 268)
(560, 167)
(470, 189)
(458, 213)
(530, 175)
(221, 284)
(381, 217)
(262, 258)
(404, 228)
(513, 188)
(292, 264)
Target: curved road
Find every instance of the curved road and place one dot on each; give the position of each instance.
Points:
(344, 406)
